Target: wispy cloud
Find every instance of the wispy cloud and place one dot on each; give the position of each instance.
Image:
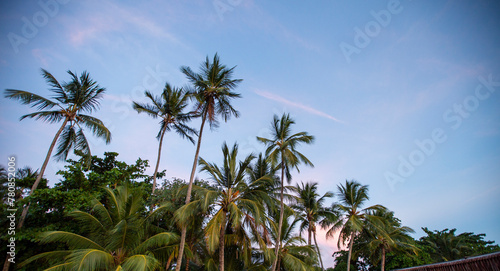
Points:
(306, 108)
(109, 18)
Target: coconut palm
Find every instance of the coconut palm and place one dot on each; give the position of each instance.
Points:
(386, 235)
(446, 246)
(238, 202)
(294, 254)
(352, 196)
(310, 211)
(281, 151)
(212, 90)
(71, 102)
(169, 107)
(119, 238)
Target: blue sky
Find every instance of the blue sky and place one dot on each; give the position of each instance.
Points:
(401, 95)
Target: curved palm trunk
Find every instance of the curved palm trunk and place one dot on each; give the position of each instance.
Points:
(158, 160)
(351, 242)
(383, 259)
(6, 265)
(188, 195)
(319, 252)
(221, 242)
(309, 231)
(40, 175)
(278, 242)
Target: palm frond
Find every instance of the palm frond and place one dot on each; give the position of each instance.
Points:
(73, 240)
(140, 263)
(158, 240)
(65, 142)
(96, 126)
(90, 259)
(26, 97)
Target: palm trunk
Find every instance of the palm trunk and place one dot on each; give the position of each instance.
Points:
(383, 259)
(351, 242)
(309, 231)
(6, 265)
(158, 160)
(221, 242)
(319, 252)
(278, 242)
(40, 175)
(188, 195)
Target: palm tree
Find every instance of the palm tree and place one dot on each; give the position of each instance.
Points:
(118, 237)
(71, 100)
(238, 201)
(212, 91)
(281, 151)
(388, 235)
(311, 211)
(352, 196)
(294, 254)
(169, 107)
(445, 245)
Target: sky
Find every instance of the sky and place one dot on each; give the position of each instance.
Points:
(402, 96)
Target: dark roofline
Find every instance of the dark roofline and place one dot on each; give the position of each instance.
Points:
(455, 262)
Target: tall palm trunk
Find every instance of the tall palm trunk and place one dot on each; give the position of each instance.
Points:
(221, 242)
(188, 195)
(309, 231)
(319, 252)
(278, 242)
(6, 264)
(40, 175)
(383, 258)
(158, 160)
(351, 242)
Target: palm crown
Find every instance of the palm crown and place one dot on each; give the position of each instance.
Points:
(311, 210)
(169, 107)
(72, 100)
(213, 90)
(352, 196)
(282, 147)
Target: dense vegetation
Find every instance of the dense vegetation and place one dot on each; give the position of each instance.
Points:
(105, 214)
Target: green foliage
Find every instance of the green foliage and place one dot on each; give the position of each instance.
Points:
(117, 235)
(79, 184)
(446, 246)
